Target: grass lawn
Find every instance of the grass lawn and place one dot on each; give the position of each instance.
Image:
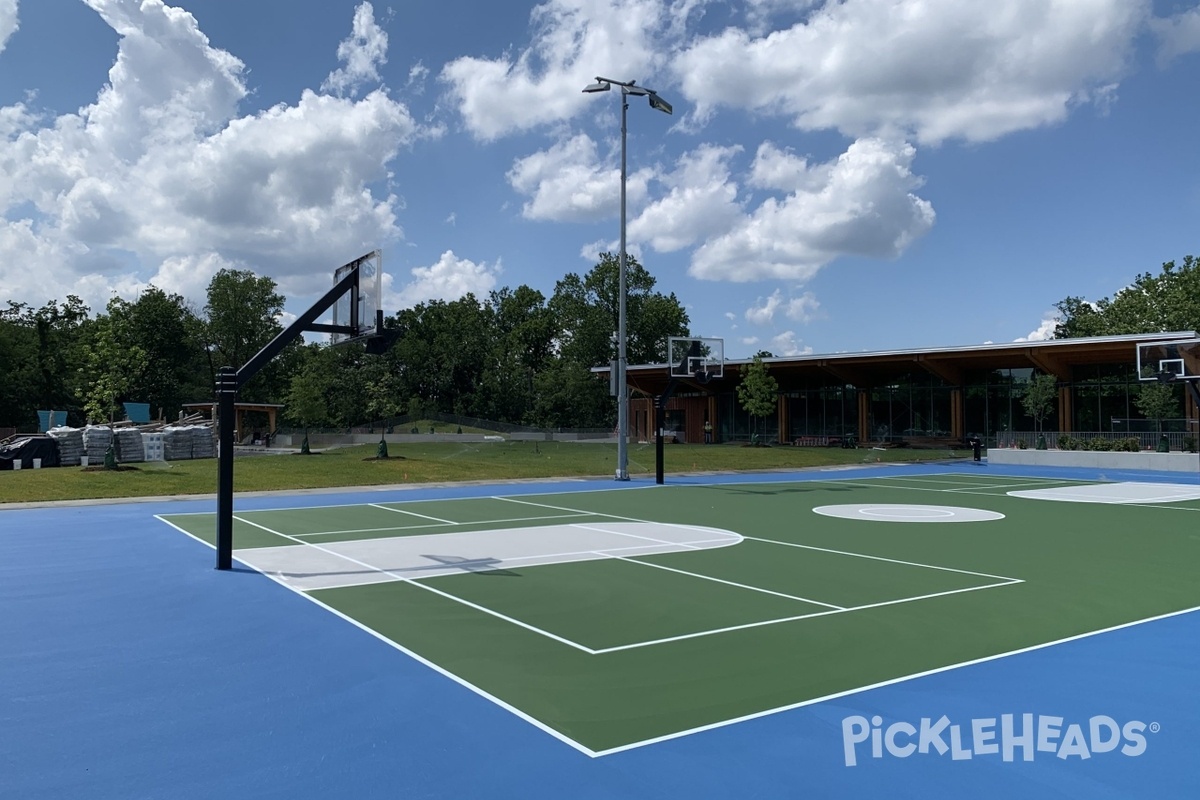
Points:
(427, 463)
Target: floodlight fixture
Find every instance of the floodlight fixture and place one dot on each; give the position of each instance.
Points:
(659, 104)
(656, 102)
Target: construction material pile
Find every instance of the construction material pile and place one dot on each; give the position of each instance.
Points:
(129, 445)
(182, 442)
(186, 438)
(70, 445)
(96, 439)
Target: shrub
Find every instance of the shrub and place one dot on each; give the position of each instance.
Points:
(1189, 444)
(1132, 445)
(1099, 445)
(1022, 444)
(1064, 442)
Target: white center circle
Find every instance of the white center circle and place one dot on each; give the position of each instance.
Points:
(907, 513)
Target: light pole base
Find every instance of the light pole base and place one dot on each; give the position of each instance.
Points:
(621, 475)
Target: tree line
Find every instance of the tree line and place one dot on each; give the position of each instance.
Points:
(513, 356)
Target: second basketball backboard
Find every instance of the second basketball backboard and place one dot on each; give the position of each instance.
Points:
(359, 308)
(692, 357)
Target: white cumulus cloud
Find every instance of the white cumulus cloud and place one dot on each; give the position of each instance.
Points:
(862, 204)
(786, 344)
(1178, 34)
(362, 53)
(162, 178)
(568, 182)
(573, 42)
(700, 198)
(8, 21)
(1043, 332)
(930, 69)
(447, 279)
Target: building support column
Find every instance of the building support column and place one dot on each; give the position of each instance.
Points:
(781, 418)
(957, 414)
(1066, 412)
(864, 415)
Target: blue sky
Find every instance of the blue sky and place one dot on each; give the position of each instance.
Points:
(837, 176)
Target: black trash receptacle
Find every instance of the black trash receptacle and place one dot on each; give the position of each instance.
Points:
(976, 447)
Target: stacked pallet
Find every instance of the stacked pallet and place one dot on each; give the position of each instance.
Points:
(181, 442)
(96, 439)
(70, 445)
(129, 445)
(203, 444)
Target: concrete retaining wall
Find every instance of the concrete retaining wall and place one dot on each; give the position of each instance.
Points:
(1161, 462)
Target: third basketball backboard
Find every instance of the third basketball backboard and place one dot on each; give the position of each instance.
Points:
(1174, 360)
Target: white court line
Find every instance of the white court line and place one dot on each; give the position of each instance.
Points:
(603, 514)
(399, 488)
(727, 583)
(714, 631)
(414, 514)
(1018, 485)
(437, 525)
(413, 582)
(631, 535)
(506, 561)
(881, 684)
(881, 558)
(518, 713)
(976, 486)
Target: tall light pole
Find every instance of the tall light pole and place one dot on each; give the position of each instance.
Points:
(656, 102)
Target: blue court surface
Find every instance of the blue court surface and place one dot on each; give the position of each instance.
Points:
(130, 668)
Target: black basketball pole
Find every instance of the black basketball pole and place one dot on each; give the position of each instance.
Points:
(230, 380)
(660, 419)
(226, 388)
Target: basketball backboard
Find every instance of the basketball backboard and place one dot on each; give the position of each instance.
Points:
(1174, 360)
(693, 357)
(360, 308)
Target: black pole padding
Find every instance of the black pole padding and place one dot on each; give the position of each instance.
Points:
(226, 390)
(659, 420)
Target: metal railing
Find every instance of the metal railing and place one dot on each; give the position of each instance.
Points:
(1147, 440)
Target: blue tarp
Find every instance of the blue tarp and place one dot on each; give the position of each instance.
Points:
(137, 412)
(51, 419)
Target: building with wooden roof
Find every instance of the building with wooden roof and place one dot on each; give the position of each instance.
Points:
(937, 395)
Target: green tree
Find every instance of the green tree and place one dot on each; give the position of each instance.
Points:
(241, 317)
(521, 345)
(441, 353)
(1041, 394)
(1157, 401)
(758, 390)
(587, 312)
(111, 362)
(569, 396)
(307, 400)
(41, 352)
(167, 333)
(1168, 301)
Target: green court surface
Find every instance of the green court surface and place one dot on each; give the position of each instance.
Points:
(615, 618)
